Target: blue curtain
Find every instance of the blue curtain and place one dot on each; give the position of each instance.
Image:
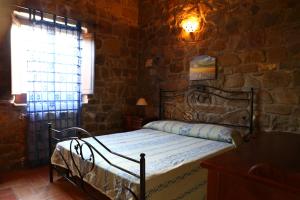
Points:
(53, 77)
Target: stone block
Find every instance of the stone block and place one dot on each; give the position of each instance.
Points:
(291, 35)
(120, 29)
(100, 59)
(273, 79)
(107, 108)
(133, 44)
(98, 42)
(296, 113)
(176, 67)
(246, 68)
(218, 45)
(133, 32)
(131, 14)
(90, 127)
(274, 37)
(228, 60)
(112, 46)
(7, 148)
(293, 15)
(267, 19)
(276, 54)
(253, 56)
(234, 81)
(278, 109)
(267, 66)
(89, 116)
(228, 70)
(174, 84)
(294, 51)
(280, 123)
(256, 38)
(234, 41)
(104, 26)
(296, 78)
(263, 120)
(116, 9)
(290, 64)
(264, 97)
(232, 25)
(132, 3)
(251, 82)
(286, 96)
(294, 124)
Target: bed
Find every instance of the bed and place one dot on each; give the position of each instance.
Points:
(161, 160)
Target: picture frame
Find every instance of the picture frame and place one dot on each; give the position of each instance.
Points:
(203, 67)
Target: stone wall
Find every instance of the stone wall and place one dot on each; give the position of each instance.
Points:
(256, 43)
(4, 51)
(115, 24)
(12, 136)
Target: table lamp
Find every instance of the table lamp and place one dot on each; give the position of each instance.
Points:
(141, 103)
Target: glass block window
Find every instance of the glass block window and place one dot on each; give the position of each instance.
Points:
(48, 57)
(53, 75)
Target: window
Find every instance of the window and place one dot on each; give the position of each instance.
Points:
(53, 64)
(22, 37)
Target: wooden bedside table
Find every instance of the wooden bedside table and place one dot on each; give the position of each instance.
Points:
(133, 122)
(267, 167)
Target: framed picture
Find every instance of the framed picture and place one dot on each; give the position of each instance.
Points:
(203, 68)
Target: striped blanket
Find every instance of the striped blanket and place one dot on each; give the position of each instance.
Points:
(172, 164)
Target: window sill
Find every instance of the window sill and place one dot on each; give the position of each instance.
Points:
(19, 104)
(19, 100)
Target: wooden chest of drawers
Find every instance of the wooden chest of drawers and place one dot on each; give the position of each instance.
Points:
(133, 123)
(267, 167)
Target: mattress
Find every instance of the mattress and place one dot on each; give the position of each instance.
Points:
(172, 163)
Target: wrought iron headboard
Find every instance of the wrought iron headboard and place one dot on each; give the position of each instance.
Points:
(202, 96)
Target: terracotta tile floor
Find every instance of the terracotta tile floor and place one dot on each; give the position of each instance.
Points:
(33, 184)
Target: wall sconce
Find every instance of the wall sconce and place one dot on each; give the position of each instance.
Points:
(190, 24)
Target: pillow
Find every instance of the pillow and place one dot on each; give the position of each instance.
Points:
(166, 126)
(201, 130)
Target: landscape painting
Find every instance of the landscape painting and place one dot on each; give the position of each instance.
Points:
(203, 68)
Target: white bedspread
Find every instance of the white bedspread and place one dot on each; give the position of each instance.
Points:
(172, 164)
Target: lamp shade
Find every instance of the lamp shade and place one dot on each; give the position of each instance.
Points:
(141, 102)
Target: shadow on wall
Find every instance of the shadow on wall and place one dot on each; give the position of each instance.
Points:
(5, 21)
(5, 11)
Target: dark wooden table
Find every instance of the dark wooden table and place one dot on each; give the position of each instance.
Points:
(133, 122)
(267, 167)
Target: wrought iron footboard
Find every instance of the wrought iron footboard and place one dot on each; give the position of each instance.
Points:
(78, 143)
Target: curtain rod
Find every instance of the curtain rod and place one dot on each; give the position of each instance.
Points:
(27, 8)
(78, 22)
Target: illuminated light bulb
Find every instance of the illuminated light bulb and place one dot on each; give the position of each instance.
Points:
(190, 24)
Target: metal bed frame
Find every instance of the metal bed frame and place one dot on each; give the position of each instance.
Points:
(79, 144)
(193, 95)
(200, 94)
